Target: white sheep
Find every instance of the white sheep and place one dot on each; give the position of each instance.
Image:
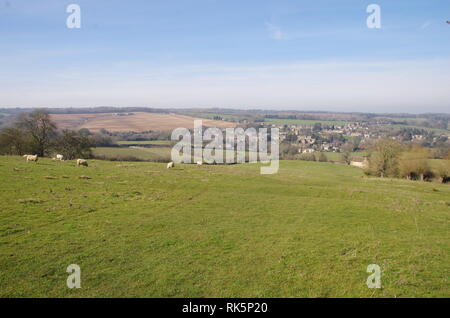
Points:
(58, 157)
(82, 162)
(199, 163)
(170, 165)
(32, 158)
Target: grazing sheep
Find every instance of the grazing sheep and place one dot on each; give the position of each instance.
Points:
(32, 158)
(170, 165)
(82, 162)
(199, 163)
(60, 157)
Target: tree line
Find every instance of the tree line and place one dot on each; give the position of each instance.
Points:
(390, 158)
(36, 133)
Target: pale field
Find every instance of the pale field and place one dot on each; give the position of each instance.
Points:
(137, 122)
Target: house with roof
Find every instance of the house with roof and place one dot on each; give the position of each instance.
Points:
(360, 162)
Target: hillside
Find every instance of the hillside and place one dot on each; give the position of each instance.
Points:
(137, 122)
(139, 229)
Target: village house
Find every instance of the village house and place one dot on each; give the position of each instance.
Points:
(360, 162)
(306, 140)
(326, 147)
(306, 150)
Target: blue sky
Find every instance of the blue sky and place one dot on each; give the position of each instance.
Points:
(277, 54)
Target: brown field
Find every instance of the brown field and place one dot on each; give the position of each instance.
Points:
(136, 122)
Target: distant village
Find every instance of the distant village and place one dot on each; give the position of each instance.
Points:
(333, 138)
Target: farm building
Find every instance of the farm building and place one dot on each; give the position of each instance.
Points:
(360, 162)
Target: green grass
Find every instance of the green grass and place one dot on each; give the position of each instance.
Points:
(139, 229)
(157, 153)
(413, 123)
(336, 156)
(436, 130)
(303, 122)
(146, 142)
(143, 153)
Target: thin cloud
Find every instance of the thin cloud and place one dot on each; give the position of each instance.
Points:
(425, 25)
(275, 32)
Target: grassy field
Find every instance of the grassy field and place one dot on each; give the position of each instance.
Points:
(336, 156)
(143, 153)
(146, 142)
(302, 122)
(156, 153)
(414, 123)
(139, 229)
(436, 130)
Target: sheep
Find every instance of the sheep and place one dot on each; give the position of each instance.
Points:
(60, 157)
(170, 165)
(82, 162)
(199, 163)
(32, 158)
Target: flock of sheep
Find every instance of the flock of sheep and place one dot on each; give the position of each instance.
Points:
(83, 162)
(80, 162)
(172, 164)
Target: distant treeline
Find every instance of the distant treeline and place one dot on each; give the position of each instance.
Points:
(36, 133)
(284, 114)
(87, 110)
(329, 117)
(427, 120)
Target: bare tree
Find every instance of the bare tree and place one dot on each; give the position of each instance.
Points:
(443, 171)
(322, 157)
(13, 142)
(384, 158)
(40, 129)
(414, 163)
(73, 145)
(347, 157)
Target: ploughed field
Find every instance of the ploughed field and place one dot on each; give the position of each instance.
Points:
(137, 122)
(139, 229)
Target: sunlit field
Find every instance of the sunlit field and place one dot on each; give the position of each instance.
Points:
(139, 229)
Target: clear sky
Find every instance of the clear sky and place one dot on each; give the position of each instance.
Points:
(272, 54)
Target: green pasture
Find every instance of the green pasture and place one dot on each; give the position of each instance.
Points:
(139, 229)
